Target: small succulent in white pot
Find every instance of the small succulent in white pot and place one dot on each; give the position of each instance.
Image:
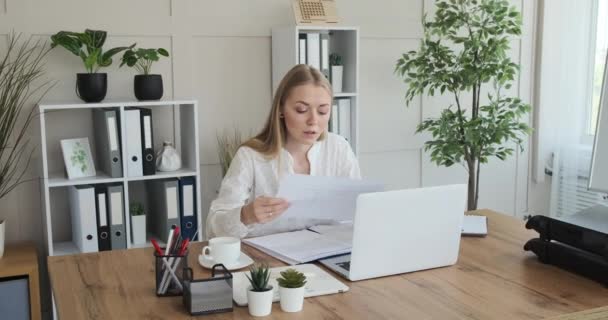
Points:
(291, 290)
(259, 294)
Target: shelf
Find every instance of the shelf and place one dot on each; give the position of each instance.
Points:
(344, 94)
(164, 175)
(62, 105)
(60, 180)
(65, 248)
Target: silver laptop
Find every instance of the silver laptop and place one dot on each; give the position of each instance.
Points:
(403, 231)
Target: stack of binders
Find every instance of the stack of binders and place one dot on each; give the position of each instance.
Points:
(314, 50)
(577, 243)
(340, 120)
(173, 204)
(98, 217)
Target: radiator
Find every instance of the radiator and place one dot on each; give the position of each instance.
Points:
(571, 195)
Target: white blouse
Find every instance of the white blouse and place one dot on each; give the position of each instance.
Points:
(251, 175)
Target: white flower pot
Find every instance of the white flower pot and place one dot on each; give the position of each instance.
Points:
(336, 78)
(138, 229)
(259, 303)
(292, 299)
(2, 232)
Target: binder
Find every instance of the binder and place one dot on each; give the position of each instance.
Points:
(313, 50)
(107, 141)
(82, 210)
(133, 142)
(344, 118)
(187, 204)
(147, 150)
(103, 228)
(334, 118)
(118, 236)
(165, 208)
(302, 48)
(325, 54)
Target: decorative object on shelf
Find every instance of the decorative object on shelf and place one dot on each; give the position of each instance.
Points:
(138, 223)
(77, 158)
(315, 12)
(21, 72)
(90, 86)
(168, 159)
(337, 70)
(146, 86)
(480, 32)
(259, 294)
(227, 145)
(291, 290)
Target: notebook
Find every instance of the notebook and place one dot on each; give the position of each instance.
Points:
(474, 226)
(306, 245)
(318, 283)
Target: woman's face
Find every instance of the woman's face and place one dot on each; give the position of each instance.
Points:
(306, 113)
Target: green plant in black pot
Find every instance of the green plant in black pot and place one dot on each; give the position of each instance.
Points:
(146, 86)
(88, 45)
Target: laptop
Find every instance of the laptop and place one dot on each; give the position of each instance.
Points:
(403, 231)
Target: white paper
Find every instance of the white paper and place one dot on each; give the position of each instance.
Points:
(329, 198)
(299, 246)
(474, 225)
(341, 232)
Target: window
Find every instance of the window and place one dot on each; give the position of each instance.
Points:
(599, 60)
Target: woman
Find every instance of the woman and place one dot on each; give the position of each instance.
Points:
(294, 141)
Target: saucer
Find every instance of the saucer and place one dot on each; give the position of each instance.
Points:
(243, 261)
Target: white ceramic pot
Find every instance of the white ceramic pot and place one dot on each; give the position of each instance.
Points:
(2, 232)
(259, 303)
(138, 229)
(292, 299)
(336, 78)
(168, 159)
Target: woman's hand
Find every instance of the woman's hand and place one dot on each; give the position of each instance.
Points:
(263, 209)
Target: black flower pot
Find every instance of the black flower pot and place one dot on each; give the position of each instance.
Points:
(91, 87)
(148, 87)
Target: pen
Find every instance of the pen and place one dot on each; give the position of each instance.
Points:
(157, 247)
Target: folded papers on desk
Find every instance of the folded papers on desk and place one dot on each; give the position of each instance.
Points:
(305, 245)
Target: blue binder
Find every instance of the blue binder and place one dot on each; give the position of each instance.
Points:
(187, 205)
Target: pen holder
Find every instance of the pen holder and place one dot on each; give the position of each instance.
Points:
(169, 274)
(208, 296)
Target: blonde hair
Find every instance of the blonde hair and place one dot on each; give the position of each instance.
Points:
(271, 139)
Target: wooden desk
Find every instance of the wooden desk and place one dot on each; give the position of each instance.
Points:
(493, 279)
(22, 260)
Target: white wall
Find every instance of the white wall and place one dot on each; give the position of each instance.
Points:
(221, 56)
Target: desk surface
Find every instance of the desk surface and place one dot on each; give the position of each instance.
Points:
(493, 279)
(22, 260)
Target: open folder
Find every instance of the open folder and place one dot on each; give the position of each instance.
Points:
(306, 245)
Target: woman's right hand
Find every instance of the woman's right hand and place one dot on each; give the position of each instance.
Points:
(263, 209)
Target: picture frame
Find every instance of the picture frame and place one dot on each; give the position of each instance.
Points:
(78, 158)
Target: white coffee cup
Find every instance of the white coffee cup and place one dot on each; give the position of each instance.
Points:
(224, 250)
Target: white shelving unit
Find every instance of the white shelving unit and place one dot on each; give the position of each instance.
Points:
(343, 41)
(173, 120)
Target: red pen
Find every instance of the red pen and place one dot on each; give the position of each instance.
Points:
(182, 250)
(157, 247)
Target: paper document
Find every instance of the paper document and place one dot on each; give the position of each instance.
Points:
(474, 226)
(303, 245)
(314, 197)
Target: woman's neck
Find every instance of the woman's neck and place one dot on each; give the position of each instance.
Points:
(297, 150)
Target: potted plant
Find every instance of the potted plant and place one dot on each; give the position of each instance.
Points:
(291, 290)
(90, 86)
(21, 86)
(146, 86)
(464, 52)
(259, 294)
(138, 223)
(337, 70)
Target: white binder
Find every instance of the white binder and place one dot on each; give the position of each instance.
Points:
(334, 124)
(313, 50)
(133, 143)
(344, 118)
(84, 224)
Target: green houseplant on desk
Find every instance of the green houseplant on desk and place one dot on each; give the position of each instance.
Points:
(291, 290)
(259, 295)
